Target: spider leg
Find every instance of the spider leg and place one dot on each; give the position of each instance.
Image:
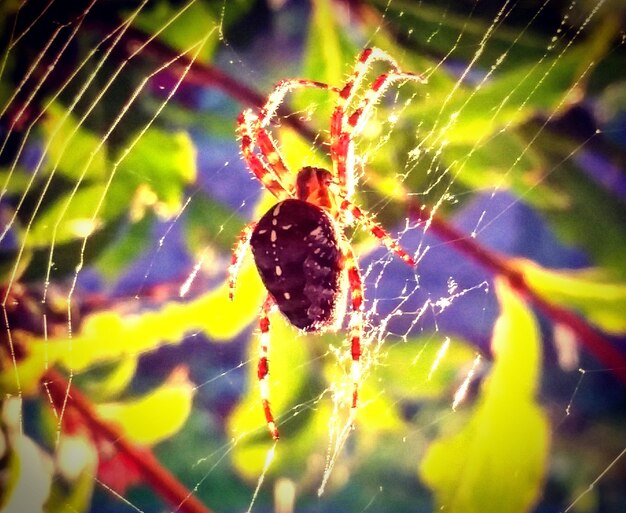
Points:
(341, 147)
(263, 365)
(356, 323)
(357, 120)
(281, 89)
(270, 167)
(267, 174)
(378, 231)
(344, 127)
(237, 257)
(364, 62)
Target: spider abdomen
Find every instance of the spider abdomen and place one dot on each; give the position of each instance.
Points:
(297, 253)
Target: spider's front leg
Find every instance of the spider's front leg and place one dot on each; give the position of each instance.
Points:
(267, 164)
(344, 125)
(263, 365)
(271, 175)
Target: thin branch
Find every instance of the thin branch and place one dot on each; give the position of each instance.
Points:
(159, 478)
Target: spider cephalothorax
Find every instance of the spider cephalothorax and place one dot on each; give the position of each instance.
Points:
(304, 259)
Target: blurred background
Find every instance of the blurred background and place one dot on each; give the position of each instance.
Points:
(493, 371)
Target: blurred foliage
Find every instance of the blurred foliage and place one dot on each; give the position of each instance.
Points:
(497, 460)
(107, 154)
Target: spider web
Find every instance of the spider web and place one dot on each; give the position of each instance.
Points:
(133, 86)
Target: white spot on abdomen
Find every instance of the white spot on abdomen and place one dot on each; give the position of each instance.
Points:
(279, 271)
(317, 233)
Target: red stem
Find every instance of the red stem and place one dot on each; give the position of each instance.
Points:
(159, 478)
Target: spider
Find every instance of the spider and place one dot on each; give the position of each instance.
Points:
(300, 250)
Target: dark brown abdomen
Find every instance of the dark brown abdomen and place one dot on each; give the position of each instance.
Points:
(297, 254)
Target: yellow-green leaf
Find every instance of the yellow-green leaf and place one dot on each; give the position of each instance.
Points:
(108, 380)
(601, 300)
(496, 461)
(423, 368)
(71, 216)
(298, 152)
(289, 361)
(166, 162)
(181, 28)
(110, 336)
(72, 149)
(328, 56)
(155, 416)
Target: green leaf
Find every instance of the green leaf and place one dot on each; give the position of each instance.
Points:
(166, 162)
(167, 407)
(470, 115)
(209, 223)
(513, 166)
(125, 248)
(298, 152)
(72, 149)
(109, 335)
(183, 27)
(599, 298)
(423, 368)
(288, 351)
(328, 53)
(13, 182)
(496, 461)
(327, 48)
(441, 31)
(73, 216)
(108, 380)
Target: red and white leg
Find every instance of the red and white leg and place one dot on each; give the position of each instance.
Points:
(344, 126)
(263, 365)
(355, 325)
(271, 176)
(281, 89)
(269, 166)
(340, 142)
(237, 257)
(362, 66)
(370, 224)
(358, 118)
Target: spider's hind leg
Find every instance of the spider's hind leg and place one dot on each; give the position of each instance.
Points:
(355, 324)
(263, 365)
